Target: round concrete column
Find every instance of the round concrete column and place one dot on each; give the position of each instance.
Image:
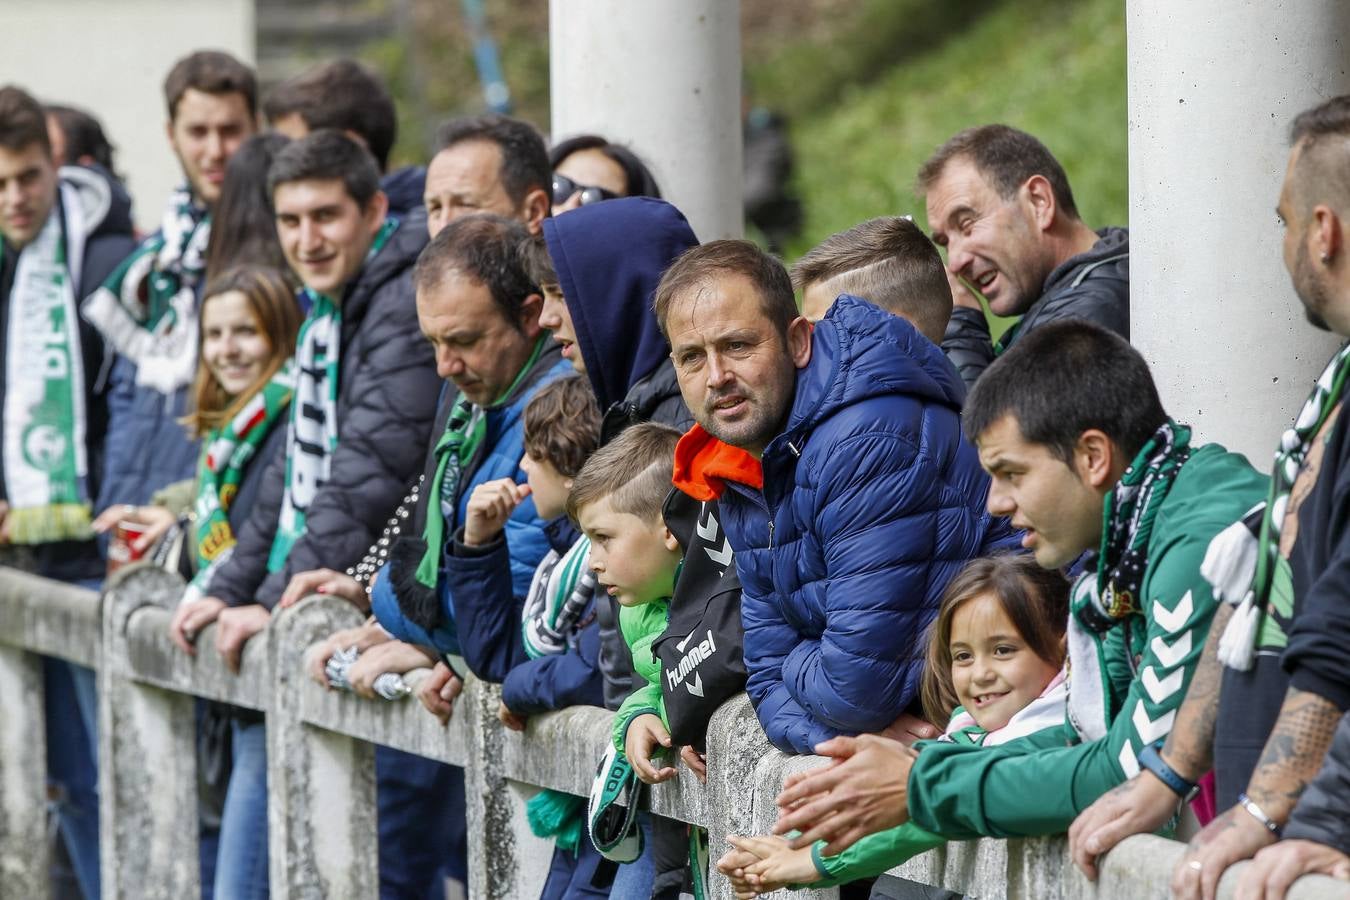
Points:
(1213, 88)
(663, 76)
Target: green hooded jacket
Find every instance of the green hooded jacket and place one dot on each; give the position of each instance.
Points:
(641, 626)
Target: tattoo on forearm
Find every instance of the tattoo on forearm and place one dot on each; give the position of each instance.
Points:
(1190, 746)
(1294, 752)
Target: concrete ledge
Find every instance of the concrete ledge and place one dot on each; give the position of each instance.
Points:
(49, 617)
(402, 724)
(321, 809)
(152, 658)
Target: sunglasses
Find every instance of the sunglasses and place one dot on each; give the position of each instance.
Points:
(564, 188)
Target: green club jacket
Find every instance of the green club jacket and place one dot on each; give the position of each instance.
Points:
(1124, 690)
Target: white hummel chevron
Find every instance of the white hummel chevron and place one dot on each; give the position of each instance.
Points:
(695, 686)
(1160, 689)
(1129, 763)
(707, 529)
(1173, 621)
(1149, 730)
(721, 556)
(707, 526)
(1171, 655)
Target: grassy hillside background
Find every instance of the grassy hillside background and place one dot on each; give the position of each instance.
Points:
(1053, 68)
(870, 87)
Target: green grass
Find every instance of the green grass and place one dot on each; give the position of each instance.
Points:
(1051, 67)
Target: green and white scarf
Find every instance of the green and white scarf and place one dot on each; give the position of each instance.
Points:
(562, 588)
(45, 459)
(312, 431)
(464, 431)
(1127, 526)
(147, 309)
(226, 454)
(1109, 596)
(1243, 563)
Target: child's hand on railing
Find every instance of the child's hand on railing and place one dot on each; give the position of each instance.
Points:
(645, 735)
(697, 763)
(760, 865)
(438, 692)
(510, 719)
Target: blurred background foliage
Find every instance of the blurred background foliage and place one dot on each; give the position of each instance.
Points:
(869, 87)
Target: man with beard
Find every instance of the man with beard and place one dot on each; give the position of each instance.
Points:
(1274, 679)
(855, 499)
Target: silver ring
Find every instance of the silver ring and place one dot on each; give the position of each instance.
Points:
(1195, 864)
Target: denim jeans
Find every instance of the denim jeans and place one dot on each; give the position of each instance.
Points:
(421, 825)
(71, 710)
(241, 861)
(570, 875)
(634, 879)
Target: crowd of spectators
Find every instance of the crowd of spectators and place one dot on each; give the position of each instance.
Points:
(512, 409)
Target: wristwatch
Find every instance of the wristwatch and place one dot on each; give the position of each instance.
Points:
(1151, 759)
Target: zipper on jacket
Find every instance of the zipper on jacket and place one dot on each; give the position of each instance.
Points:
(770, 533)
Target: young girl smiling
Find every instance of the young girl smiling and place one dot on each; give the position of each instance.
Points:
(994, 673)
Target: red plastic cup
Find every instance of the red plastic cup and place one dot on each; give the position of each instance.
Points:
(121, 552)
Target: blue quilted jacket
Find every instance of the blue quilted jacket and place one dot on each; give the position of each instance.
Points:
(872, 501)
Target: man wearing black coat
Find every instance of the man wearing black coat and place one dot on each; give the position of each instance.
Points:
(1002, 206)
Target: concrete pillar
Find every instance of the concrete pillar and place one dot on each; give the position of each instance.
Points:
(1213, 88)
(147, 757)
(23, 760)
(663, 76)
(321, 828)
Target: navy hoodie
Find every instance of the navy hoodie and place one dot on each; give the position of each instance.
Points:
(609, 258)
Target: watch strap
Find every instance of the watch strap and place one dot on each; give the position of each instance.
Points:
(1151, 759)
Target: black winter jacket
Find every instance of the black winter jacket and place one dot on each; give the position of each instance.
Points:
(1092, 286)
(387, 396)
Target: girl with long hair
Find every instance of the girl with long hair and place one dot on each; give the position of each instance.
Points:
(995, 672)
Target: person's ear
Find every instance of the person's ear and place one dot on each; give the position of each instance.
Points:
(671, 542)
(534, 208)
(799, 341)
(1325, 236)
(1094, 458)
(529, 315)
(377, 208)
(1039, 198)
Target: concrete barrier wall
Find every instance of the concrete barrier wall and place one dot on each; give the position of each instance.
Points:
(321, 809)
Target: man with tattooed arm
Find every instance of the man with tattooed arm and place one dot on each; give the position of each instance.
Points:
(1274, 679)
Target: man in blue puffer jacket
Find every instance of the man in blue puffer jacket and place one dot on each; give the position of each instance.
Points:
(868, 501)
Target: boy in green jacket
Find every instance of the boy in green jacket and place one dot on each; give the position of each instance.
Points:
(1082, 457)
(616, 500)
